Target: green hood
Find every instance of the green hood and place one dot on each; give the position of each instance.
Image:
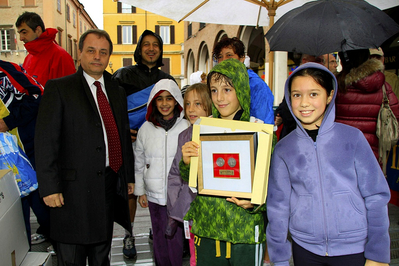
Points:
(237, 72)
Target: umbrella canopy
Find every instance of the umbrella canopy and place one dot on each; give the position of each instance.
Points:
(232, 12)
(327, 26)
(381, 4)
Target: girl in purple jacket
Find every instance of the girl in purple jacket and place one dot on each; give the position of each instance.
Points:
(325, 186)
(197, 103)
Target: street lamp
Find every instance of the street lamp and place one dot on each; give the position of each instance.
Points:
(110, 66)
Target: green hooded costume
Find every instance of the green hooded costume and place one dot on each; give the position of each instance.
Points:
(237, 73)
(214, 217)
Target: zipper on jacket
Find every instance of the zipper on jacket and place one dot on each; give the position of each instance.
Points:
(137, 108)
(322, 195)
(166, 163)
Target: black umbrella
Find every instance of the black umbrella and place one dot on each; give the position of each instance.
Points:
(327, 26)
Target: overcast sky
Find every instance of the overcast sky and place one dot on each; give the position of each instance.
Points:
(95, 10)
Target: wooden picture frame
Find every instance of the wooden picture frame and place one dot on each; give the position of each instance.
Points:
(228, 161)
(258, 152)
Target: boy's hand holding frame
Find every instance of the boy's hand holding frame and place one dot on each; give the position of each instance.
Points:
(259, 138)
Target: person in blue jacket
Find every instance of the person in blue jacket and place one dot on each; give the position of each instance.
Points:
(20, 96)
(325, 186)
(261, 96)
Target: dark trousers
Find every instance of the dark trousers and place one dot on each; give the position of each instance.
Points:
(167, 251)
(302, 257)
(221, 253)
(40, 210)
(97, 254)
(75, 255)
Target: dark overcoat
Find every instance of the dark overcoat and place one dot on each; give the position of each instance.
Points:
(70, 158)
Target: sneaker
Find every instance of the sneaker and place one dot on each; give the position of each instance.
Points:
(37, 239)
(51, 250)
(129, 250)
(150, 237)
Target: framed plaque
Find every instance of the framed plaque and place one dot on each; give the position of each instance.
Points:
(234, 159)
(227, 164)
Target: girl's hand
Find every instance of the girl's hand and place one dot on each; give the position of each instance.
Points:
(246, 204)
(143, 201)
(189, 149)
(374, 263)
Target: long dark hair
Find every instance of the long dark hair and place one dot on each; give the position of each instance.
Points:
(321, 77)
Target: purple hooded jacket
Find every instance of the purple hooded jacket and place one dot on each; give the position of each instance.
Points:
(331, 195)
(179, 194)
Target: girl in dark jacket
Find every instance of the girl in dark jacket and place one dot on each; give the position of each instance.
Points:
(360, 94)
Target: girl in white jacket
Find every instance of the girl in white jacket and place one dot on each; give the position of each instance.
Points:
(154, 152)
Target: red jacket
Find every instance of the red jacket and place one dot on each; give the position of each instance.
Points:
(359, 106)
(46, 59)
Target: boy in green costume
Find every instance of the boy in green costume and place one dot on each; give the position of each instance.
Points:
(227, 231)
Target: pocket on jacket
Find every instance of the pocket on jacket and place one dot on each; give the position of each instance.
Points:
(301, 218)
(350, 214)
(68, 174)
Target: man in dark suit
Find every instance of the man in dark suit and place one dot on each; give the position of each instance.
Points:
(84, 156)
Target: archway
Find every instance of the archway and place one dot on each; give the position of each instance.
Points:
(190, 63)
(254, 41)
(221, 34)
(204, 62)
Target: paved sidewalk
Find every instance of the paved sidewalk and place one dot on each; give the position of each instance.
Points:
(144, 249)
(141, 229)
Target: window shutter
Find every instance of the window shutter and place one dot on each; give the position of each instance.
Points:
(119, 33)
(166, 65)
(189, 30)
(127, 62)
(28, 2)
(134, 29)
(157, 29)
(12, 39)
(119, 7)
(172, 34)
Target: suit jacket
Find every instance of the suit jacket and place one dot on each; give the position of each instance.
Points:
(70, 158)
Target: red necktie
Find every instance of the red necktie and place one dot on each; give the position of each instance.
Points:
(114, 144)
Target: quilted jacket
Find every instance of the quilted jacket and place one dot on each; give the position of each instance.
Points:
(359, 106)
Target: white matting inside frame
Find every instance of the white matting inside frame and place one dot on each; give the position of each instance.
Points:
(243, 184)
